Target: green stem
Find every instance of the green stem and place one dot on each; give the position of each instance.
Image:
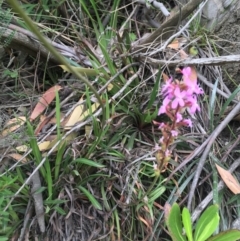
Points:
(151, 186)
(53, 51)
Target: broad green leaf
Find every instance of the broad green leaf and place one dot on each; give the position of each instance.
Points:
(230, 235)
(187, 223)
(89, 162)
(3, 238)
(174, 224)
(208, 215)
(91, 198)
(209, 229)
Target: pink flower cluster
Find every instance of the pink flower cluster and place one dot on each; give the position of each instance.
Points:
(178, 96)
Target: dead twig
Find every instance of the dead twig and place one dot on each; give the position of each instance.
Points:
(221, 60)
(38, 200)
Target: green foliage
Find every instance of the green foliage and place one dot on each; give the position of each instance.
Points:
(205, 226)
(5, 19)
(91, 198)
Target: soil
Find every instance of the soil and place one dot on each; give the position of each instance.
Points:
(229, 36)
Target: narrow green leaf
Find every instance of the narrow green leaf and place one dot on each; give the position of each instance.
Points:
(131, 141)
(156, 193)
(40, 190)
(89, 162)
(231, 97)
(174, 223)
(58, 160)
(91, 198)
(206, 218)
(187, 223)
(230, 235)
(59, 210)
(155, 90)
(35, 149)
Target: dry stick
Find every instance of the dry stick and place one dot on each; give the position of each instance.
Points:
(225, 95)
(27, 216)
(38, 200)
(203, 158)
(171, 22)
(208, 198)
(228, 59)
(27, 41)
(196, 152)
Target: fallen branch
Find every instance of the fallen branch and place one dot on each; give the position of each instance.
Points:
(201, 61)
(38, 200)
(26, 41)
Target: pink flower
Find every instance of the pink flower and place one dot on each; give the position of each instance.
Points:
(192, 86)
(167, 87)
(188, 122)
(174, 133)
(179, 98)
(186, 71)
(163, 108)
(193, 104)
(179, 117)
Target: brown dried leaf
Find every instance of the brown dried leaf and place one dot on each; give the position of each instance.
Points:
(229, 180)
(193, 75)
(43, 121)
(165, 77)
(82, 116)
(44, 101)
(76, 114)
(47, 145)
(167, 208)
(18, 157)
(174, 44)
(23, 148)
(183, 54)
(13, 125)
